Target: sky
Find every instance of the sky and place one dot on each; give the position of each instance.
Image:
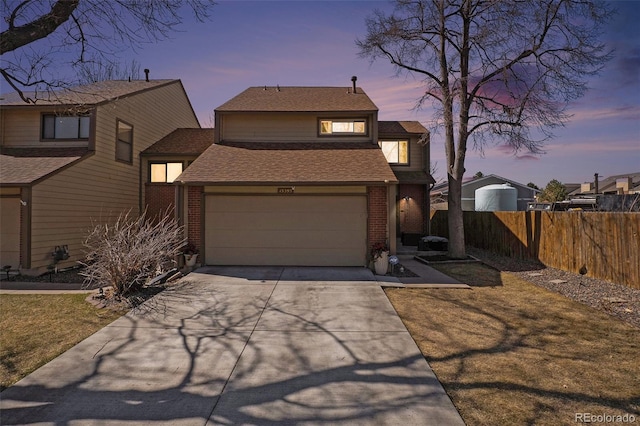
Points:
(312, 43)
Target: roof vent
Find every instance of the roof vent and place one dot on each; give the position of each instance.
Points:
(146, 74)
(353, 80)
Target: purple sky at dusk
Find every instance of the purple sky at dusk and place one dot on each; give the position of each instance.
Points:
(312, 43)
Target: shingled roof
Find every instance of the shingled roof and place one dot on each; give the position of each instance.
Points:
(401, 127)
(23, 166)
(90, 94)
(182, 142)
(300, 99)
(289, 164)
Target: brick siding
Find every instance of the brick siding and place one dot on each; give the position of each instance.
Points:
(194, 207)
(160, 199)
(377, 220)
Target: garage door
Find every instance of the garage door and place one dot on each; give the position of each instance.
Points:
(10, 232)
(285, 230)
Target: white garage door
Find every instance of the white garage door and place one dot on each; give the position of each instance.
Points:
(10, 232)
(285, 230)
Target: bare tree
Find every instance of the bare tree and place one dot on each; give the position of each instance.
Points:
(494, 70)
(39, 37)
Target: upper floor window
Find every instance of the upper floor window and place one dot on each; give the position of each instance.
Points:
(343, 127)
(165, 172)
(124, 142)
(65, 126)
(396, 152)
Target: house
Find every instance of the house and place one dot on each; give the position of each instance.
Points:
(74, 159)
(304, 176)
(628, 183)
(526, 194)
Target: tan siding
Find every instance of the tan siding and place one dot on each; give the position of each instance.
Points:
(415, 155)
(100, 187)
(288, 127)
(21, 128)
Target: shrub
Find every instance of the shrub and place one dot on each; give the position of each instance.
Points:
(130, 251)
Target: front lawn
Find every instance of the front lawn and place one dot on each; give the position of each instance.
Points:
(509, 352)
(35, 328)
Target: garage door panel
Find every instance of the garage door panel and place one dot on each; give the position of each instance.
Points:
(285, 230)
(285, 221)
(300, 257)
(10, 232)
(278, 239)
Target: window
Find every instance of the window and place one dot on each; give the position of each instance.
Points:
(124, 142)
(165, 172)
(65, 126)
(396, 152)
(343, 127)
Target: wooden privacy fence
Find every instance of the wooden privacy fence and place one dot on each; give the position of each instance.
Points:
(607, 244)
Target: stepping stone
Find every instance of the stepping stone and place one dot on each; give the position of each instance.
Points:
(558, 281)
(535, 274)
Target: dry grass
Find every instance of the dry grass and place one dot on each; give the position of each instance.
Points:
(508, 352)
(37, 328)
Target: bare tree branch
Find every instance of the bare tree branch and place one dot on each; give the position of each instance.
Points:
(495, 71)
(47, 42)
(16, 37)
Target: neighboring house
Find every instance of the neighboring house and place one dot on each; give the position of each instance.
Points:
(74, 160)
(297, 176)
(628, 183)
(526, 194)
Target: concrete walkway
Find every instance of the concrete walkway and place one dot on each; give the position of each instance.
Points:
(243, 346)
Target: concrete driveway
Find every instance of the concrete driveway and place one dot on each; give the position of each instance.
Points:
(243, 346)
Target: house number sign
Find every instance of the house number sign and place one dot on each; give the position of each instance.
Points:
(288, 190)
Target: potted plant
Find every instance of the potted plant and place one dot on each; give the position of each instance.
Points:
(380, 256)
(190, 253)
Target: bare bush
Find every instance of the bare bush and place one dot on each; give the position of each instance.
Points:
(129, 252)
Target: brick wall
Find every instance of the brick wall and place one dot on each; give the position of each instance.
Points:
(160, 199)
(377, 220)
(194, 204)
(411, 211)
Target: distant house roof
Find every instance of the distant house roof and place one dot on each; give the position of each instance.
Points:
(23, 166)
(443, 188)
(609, 184)
(182, 142)
(299, 99)
(289, 163)
(393, 127)
(90, 94)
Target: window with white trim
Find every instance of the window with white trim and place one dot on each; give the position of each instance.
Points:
(65, 127)
(396, 152)
(343, 127)
(165, 172)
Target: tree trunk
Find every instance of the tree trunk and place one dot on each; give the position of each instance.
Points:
(456, 228)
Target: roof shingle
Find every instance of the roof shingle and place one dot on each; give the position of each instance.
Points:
(401, 127)
(89, 94)
(182, 142)
(23, 166)
(299, 99)
(290, 164)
